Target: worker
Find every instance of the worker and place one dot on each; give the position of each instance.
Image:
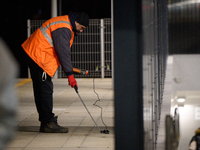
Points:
(195, 141)
(46, 49)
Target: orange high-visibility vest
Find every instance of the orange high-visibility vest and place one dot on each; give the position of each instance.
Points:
(39, 46)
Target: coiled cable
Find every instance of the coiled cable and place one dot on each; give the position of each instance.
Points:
(95, 104)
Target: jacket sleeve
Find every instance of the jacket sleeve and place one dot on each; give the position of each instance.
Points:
(61, 40)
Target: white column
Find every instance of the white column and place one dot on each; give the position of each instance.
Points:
(54, 14)
(28, 35)
(53, 8)
(102, 49)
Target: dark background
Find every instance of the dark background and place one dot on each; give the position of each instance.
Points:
(14, 15)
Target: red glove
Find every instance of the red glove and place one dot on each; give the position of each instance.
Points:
(72, 81)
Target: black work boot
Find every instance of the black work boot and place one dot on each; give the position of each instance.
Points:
(52, 127)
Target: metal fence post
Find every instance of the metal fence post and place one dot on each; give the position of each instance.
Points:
(28, 35)
(112, 43)
(54, 14)
(102, 50)
(28, 28)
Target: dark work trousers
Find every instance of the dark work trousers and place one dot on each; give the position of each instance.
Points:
(43, 91)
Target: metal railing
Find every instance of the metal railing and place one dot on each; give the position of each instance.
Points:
(155, 51)
(91, 49)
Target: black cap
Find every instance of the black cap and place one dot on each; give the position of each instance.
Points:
(82, 19)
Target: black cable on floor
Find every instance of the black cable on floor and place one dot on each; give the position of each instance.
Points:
(95, 104)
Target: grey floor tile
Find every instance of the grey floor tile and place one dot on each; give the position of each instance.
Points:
(49, 140)
(103, 141)
(41, 148)
(14, 148)
(88, 148)
(76, 140)
(22, 139)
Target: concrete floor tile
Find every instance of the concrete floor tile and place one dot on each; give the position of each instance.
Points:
(77, 114)
(107, 122)
(14, 148)
(34, 122)
(99, 141)
(73, 121)
(110, 108)
(87, 121)
(88, 148)
(83, 131)
(22, 139)
(75, 141)
(41, 148)
(49, 140)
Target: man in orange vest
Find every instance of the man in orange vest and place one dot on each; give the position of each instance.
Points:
(46, 49)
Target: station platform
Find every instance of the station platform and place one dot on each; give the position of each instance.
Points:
(83, 133)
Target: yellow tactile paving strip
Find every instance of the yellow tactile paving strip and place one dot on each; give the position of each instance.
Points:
(23, 82)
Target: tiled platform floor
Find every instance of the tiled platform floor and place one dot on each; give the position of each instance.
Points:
(83, 134)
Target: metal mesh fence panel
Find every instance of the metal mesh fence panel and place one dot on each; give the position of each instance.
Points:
(86, 49)
(107, 34)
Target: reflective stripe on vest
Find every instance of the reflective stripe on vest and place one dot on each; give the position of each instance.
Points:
(43, 30)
